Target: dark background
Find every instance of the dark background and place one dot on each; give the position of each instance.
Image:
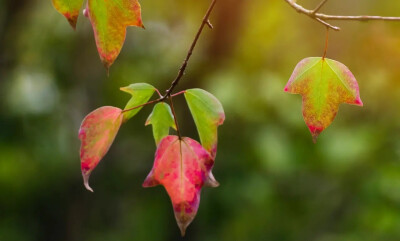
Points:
(275, 183)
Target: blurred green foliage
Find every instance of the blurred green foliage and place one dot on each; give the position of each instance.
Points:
(275, 183)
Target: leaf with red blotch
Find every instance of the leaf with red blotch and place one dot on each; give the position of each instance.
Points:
(324, 84)
(110, 20)
(182, 166)
(70, 9)
(97, 133)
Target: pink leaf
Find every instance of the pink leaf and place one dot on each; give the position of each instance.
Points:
(182, 167)
(97, 133)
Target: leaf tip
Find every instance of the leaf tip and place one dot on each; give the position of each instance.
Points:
(72, 17)
(183, 230)
(124, 89)
(358, 102)
(211, 182)
(72, 22)
(286, 89)
(86, 181)
(183, 220)
(314, 138)
(315, 131)
(150, 181)
(107, 66)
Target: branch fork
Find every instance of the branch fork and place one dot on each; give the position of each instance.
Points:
(321, 17)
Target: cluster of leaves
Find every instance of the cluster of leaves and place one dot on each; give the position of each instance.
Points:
(181, 165)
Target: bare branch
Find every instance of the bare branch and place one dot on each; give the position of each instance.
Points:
(320, 17)
(168, 92)
(320, 5)
(328, 25)
(189, 54)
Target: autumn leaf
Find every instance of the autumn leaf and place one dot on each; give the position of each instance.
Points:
(70, 9)
(141, 93)
(97, 133)
(324, 84)
(161, 119)
(208, 114)
(110, 20)
(182, 166)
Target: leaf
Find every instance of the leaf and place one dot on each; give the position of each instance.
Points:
(141, 93)
(110, 20)
(97, 133)
(324, 84)
(162, 119)
(208, 114)
(182, 167)
(70, 9)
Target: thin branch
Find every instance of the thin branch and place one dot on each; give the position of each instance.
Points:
(181, 72)
(328, 25)
(320, 5)
(320, 17)
(168, 92)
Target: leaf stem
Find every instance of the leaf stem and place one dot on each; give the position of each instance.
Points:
(138, 106)
(175, 119)
(326, 43)
(153, 101)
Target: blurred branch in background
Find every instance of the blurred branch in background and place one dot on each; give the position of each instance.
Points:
(320, 17)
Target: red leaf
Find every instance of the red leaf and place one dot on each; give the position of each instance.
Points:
(97, 133)
(182, 167)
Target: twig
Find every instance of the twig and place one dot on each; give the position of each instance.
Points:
(320, 17)
(168, 92)
(320, 5)
(189, 54)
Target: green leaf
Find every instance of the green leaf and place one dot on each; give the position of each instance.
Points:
(162, 119)
(110, 20)
(324, 85)
(208, 114)
(141, 93)
(70, 9)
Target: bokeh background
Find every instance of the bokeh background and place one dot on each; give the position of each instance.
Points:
(275, 183)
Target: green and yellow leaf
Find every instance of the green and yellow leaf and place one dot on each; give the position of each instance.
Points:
(70, 9)
(110, 20)
(324, 84)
